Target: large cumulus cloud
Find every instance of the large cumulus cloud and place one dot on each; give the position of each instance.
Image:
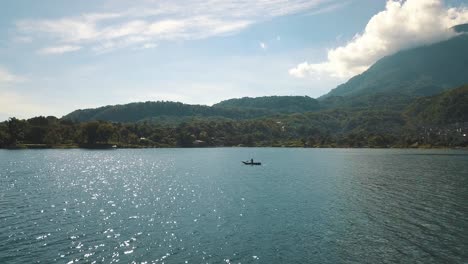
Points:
(402, 25)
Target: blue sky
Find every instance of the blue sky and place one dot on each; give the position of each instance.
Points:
(58, 56)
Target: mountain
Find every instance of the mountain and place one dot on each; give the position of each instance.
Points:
(443, 109)
(166, 112)
(421, 71)
(283, 104)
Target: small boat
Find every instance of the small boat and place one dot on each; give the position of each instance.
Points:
(251, 163)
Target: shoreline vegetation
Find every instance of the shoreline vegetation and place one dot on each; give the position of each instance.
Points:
(53, 133)
(111, 147)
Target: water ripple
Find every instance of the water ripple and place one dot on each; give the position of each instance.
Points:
(203, 206)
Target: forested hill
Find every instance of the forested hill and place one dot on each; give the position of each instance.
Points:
(244, 108)
(285, 104)
(421, 71)
(447, 108)
(135, 112)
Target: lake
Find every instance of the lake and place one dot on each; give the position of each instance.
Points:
(204, 206)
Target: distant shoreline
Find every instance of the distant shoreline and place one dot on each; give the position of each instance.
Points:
(110, 147)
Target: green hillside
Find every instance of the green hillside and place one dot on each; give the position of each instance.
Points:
(283, 104)
(443, 109)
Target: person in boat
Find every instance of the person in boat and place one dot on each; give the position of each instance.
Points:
(251, 160)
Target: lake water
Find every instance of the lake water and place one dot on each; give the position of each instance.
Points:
(204, 206)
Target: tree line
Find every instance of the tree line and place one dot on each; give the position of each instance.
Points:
(325, 129)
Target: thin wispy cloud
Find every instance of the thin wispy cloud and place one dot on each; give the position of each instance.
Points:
(59, 49)
(329, 8)
(147, 22)
(149, 46)
(402, 25)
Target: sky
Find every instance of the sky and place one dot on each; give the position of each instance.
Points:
(58, 56)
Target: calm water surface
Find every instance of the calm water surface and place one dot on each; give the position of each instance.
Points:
(204, 206)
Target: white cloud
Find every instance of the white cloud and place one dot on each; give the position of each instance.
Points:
(144, 21)
(263, 45)
(59, 49)
(402, 25)
(7, 77)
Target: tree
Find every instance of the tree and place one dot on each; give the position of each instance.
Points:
(15, 130)
(90, 132)
(52, 137)
(104, 132)
(4, 139)
(36, 134)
